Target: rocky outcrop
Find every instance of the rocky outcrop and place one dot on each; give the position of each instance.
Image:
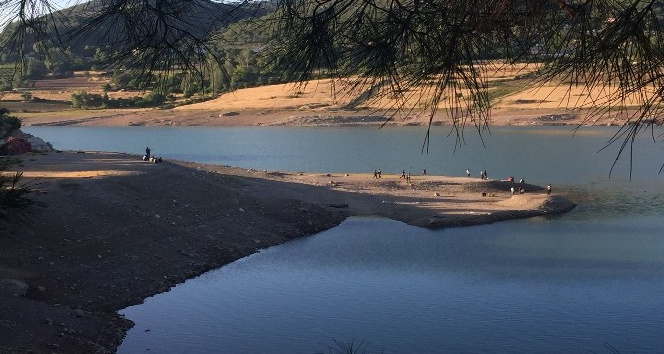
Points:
(19, 138)
(36, 143)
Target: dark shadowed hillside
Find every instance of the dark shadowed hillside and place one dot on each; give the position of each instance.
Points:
(196, 19)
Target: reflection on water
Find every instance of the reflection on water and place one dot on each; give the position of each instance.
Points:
(536, 286)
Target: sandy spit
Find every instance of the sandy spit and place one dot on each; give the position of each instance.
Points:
(115, 230)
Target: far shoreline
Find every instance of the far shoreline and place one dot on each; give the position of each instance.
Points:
(221, 117)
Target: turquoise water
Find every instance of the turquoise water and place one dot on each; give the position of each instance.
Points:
(578, 282)
(541, 155)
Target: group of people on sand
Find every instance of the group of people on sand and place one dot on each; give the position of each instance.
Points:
(148, 157)
(511, 180)
(482, 174)
(522, 183)
(521, 190)
(405, 176)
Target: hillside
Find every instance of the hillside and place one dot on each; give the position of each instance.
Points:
(516, 100)
(198, 18)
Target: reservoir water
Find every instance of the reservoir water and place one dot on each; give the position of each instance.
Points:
(589, 281)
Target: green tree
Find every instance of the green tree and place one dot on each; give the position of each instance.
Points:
(36, 69)
(6, 117)
(121, 79)
(6, 84)
(154, 98)
(243, 76)
(58, 62)
(218, 80)
(39, 47)
(83, 99)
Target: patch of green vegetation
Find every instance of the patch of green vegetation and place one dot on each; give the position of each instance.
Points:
(14, 122)
(7, 74)
(13, 192)
(502, 90)
(85, 100)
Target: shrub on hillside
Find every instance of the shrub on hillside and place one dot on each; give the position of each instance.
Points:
(5, 117)
(83, 99)
(154, 98)
(6, 85)
(17, 146)
(13, 194)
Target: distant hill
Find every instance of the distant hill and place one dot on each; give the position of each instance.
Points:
(199, 18)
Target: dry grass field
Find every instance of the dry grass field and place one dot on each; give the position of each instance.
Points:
(515, 96)
(353, 93)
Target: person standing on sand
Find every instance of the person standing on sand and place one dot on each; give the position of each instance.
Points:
(380, 173)
(147, 153)
(512, 190)
(403, 174)
(468, 172)
(375, 174)
(424, 172)
(548, 189)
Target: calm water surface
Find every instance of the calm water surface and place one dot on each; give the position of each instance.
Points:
(571, 283)
(537, 154)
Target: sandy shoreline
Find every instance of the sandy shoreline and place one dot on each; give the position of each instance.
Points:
(305, 117)
(76, 264)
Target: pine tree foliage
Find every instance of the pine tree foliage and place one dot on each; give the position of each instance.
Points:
(608, 46)
(615, 47)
